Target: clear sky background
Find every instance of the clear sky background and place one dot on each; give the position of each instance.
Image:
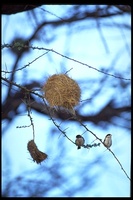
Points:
(83, 43)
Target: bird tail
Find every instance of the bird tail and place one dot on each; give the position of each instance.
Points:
(79, 147)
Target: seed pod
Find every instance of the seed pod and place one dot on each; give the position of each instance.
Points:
(37, 155)
(61, 90)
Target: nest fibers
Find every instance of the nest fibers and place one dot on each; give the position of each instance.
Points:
(61, 90)
(35, 153)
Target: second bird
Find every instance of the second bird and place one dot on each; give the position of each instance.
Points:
(79, 141)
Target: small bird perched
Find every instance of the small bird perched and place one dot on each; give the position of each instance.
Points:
(108, 141)
(79, 141)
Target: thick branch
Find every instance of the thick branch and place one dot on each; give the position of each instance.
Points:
(13, 9)
(105, 115)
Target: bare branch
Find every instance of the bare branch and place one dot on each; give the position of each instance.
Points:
(42, 48)
(104, 145)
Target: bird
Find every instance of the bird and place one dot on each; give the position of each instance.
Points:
(108, 141)
(79, 141)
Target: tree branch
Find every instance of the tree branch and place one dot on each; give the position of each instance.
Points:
(13, 9)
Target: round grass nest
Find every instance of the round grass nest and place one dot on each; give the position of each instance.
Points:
(61, 90)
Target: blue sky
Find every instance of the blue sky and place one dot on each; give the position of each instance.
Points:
(85, 46)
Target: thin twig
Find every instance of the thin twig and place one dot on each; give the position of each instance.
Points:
(29, 113)
(25, 65)
(104, 145)
(46, 49)
(27, 103)
(58, 126)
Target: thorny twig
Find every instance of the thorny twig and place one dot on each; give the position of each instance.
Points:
(64, 133)
(27, 102)
(29, 112)
(19, 69)
(48, 50)
(104, 145)
(58, 126)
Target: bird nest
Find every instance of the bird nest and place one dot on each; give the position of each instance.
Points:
(61, 90)
(35, 153)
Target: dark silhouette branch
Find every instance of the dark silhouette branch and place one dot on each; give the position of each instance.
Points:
(13, 9)
(107, 113)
